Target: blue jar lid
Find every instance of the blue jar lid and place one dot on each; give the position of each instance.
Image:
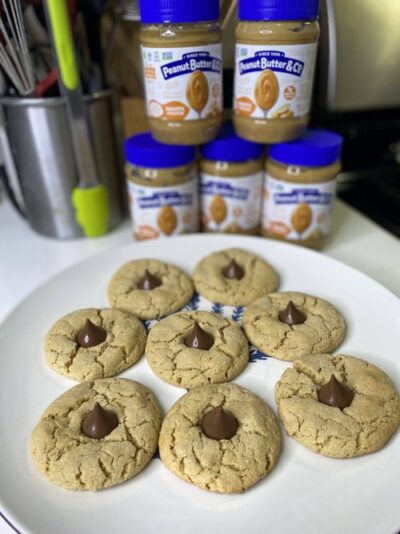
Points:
(229, 147)
(278, 9)
(160, 11)
(143, 150)
(316, 149)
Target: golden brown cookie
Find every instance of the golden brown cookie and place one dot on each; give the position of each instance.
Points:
(362, 427)
(258, 277)
(115, 340)
(221, 465)
(173, 292)
(70, 458)
(323, 329)
(174, 361)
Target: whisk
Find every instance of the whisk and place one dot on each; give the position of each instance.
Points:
(14, 52)
(128, 10)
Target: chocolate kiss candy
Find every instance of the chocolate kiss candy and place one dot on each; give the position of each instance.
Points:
(334, 393)
(99, 422)
(233, 271)
(199, 338)
(292, 315)
(90, 335)
(219, 424)
(148, 281)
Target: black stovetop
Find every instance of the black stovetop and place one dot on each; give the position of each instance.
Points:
(374, 193)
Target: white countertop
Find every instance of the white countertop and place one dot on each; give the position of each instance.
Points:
(27, 259)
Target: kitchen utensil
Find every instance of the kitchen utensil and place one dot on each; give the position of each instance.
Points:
(90, 197)
(228, 8)
(90, 72)
(41, 52)
(128, 10)
(305, 493)
(9, 174)
(42, 149)
(44, 85)
(15, 58)
(92, 11)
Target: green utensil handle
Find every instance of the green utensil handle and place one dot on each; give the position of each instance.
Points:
(62, 36)
(92, 210)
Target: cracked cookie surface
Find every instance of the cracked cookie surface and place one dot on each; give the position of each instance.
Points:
(70, 459)
(259, 277)
(227, 465)
(361, 428)
(174, 292)
(186, 367)
(323, 330)
(123, 346)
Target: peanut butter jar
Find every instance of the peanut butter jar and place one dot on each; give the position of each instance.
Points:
(182, 61)
(162, 187)
(276, 46)
(299, 188)
(231, 181)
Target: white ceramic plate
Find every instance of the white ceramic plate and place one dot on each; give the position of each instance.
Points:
(305, 492)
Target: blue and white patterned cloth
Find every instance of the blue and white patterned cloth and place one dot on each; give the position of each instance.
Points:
(233, 312)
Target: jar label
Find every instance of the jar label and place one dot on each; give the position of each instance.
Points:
(297, 211)
(274, 81)
(163, 211)
(231, 204)
(183, 84)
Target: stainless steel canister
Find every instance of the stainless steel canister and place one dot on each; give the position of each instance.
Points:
(38, 133)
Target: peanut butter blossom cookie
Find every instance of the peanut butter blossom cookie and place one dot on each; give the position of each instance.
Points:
(288, 325)
(97, 434)
(338, 406)
(150, 289)
(190, 349)
(234, 277)
(94, 343)
(220, 437)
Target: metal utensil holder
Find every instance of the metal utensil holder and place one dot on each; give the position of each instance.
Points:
(38, 133)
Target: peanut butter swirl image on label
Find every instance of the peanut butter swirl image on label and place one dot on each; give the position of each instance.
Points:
(218, 209)
(266, 90)
(301, 218)
(197, 91)
(167, 220)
